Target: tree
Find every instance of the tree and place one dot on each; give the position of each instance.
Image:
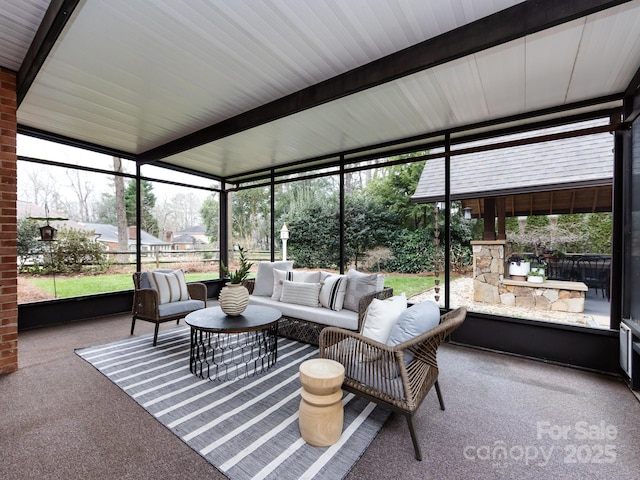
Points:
(83, 189)
(148, 222)
(394, 191)
(368, 224)
(250, 215)
(210, 213)
(121, 211)
(29, 245)
(74, 250)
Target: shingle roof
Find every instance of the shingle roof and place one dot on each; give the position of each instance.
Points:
(569, 163)
(109, 233)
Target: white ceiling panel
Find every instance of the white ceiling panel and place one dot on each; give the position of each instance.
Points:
(19, 21)
(549, 61)
(502, 74)
(133, 76)
(217, 59)
(608, 54)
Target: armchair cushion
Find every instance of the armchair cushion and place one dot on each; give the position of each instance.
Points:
(263, 286)
(183, 306)
(171, 286)
(381, 316)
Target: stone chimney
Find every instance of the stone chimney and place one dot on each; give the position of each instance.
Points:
(132, 232)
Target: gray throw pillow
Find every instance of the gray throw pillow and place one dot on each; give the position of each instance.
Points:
(264, 278)
(414, 321)
(358, 285)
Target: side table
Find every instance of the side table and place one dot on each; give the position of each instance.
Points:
(321, 413)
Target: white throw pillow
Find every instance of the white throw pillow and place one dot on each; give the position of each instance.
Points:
(171, 286)
(280, 276)
(333, 291)
(300, 293)
(263, 286)
(381, 316)
(358, 285)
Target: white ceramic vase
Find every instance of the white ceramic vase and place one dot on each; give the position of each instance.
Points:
(234, 298)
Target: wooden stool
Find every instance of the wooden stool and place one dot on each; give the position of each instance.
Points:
(321, 412)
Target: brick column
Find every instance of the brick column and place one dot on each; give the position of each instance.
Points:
(8, 224)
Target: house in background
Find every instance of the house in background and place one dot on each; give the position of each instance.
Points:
(108, 235)
(188, 239)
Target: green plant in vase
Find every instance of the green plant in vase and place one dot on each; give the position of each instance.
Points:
(240, 274)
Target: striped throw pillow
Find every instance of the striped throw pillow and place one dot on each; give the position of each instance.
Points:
(332, 292)
(301, 293)
(171, 286)
(280, 276)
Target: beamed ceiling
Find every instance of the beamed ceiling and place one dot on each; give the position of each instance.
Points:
(230, 87)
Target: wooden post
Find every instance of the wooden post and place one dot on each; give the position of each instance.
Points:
(489, 219)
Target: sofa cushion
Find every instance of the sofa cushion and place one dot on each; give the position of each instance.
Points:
(279, 276)
(300, 293)
(343, 319)
(175, 308)
(334, 288)
(358, 285)
(171, 286)
(264, 278)
(381, 316)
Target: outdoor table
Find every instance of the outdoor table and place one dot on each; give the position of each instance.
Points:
(232, 347)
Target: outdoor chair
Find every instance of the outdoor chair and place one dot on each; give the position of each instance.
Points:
(397, 377)
(162, 296)
(594, 272)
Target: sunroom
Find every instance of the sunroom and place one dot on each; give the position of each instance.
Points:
(227, 100)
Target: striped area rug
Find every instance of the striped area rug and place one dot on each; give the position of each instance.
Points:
(246, 428)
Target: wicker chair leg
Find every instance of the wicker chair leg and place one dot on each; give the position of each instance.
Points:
(133, 324)
(439, 393)
(414, 438)
(155, 334)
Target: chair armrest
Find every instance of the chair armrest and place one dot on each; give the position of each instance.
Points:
(370, 367)
(145, 302)
(386, 292)
(198, 291)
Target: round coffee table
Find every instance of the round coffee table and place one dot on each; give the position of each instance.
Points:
(229, 348)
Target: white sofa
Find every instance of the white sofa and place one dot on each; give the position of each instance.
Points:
(303, 322)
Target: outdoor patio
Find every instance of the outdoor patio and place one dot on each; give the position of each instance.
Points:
(595, 315)
(62, 419)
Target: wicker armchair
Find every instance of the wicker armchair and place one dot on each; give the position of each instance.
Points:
(397, 377)
(147, 307)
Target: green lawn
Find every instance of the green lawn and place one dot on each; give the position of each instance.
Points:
(410, 285)
(92, 284)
